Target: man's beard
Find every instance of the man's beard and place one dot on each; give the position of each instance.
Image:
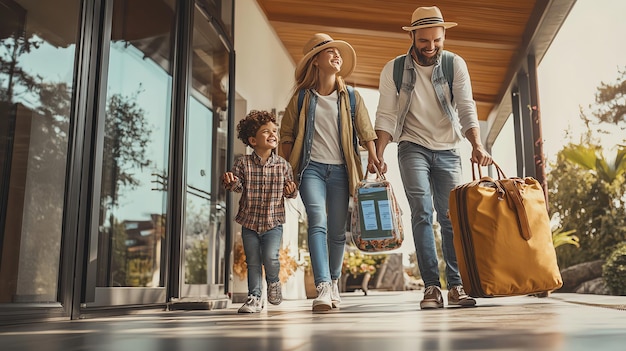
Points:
(424, 60)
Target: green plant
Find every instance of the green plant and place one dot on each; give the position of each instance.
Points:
(559, 237)
(614, 270)
(589, 199)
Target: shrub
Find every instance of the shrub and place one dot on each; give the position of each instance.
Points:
(614, 270)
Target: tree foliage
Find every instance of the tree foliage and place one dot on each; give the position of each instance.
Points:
(586, 194)
(127, 131)
(14, 79)
(611, 101)
(128, 135)
(587, 188)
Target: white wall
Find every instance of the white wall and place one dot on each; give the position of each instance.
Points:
(264, 79)
(264, 70)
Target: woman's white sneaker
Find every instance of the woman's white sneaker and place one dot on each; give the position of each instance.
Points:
(334, 294)
(323, 302)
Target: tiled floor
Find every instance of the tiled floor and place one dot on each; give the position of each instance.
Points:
(380, 321)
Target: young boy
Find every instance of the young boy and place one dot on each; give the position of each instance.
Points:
(264, 179)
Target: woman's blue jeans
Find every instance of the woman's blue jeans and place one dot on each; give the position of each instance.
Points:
(428, 177)
(325, 194)
(261, 250)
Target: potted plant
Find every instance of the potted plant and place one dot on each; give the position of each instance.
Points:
(358, 269)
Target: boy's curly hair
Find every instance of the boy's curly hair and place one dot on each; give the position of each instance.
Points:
(248, 126)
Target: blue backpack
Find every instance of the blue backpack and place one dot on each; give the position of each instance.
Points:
(447, 62)
(352, 111)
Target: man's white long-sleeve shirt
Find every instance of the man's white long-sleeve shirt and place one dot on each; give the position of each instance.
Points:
(426, 122)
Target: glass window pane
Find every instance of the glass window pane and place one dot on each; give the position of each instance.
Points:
(206, 156)
(133, 195)
(37, 48)
(223, 9)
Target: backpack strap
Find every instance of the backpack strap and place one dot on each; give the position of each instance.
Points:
(398, 70)
(447, 64)
(352, 101)
(300, 99)
(355, 141)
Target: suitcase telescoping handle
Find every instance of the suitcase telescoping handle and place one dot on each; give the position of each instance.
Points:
(513, 196)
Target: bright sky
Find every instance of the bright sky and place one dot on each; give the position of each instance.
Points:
(588, 50)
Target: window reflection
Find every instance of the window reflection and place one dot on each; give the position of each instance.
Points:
(206, 156)
(136, 145)
(223, 9)
(36, 73)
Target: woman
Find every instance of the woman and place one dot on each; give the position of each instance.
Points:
(318, 140)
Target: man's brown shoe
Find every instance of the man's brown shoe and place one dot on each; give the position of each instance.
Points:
(432, 298)
(458, 297)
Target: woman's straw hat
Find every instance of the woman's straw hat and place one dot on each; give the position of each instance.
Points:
(321, 41)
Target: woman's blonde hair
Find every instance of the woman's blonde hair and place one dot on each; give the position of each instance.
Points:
(309, 78)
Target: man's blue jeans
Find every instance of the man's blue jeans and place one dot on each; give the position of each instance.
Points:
(428, 177)
(325, 194)
(261, 249)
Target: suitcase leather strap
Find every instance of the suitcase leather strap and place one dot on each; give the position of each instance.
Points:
(514, 198)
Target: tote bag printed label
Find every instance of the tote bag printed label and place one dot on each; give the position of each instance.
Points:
(375, 213)
(376, 218)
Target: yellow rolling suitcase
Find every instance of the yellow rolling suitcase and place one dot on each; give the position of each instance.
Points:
(502, 236)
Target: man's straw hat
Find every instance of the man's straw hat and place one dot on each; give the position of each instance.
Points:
(426, 17)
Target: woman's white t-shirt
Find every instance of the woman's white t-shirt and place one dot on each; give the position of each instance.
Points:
(325, 147)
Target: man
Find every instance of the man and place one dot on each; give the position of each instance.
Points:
(428, 117)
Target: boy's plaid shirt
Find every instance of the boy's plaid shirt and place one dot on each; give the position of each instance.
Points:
(261, 206)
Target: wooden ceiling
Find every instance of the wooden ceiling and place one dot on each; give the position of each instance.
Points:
(493, 36)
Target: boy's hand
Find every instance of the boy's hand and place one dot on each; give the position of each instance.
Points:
(229, 178)
(290, 189)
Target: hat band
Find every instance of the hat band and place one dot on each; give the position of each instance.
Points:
(427, 21)
(320, 44)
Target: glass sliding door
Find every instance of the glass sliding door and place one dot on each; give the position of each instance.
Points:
(37, 65)
(204, 227)
(127, 260)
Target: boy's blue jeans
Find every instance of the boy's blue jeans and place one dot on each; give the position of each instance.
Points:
(261, 250)
(325, 194)
(428, 177)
